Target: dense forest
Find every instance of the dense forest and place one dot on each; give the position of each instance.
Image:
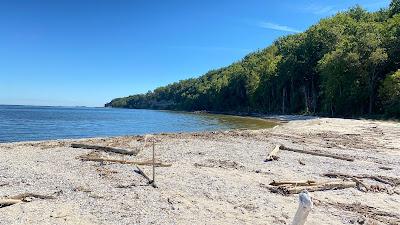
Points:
(345, 65)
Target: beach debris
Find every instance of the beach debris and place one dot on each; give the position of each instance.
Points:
(25, 197)
(106, 149)
(149, 180)
(301, 162)
(385, 168)
(382, 179)
(368, 213)
(283, 148)
(305, 206)
(141, 163)
(296, 187)
(273, 155)
(392, 182)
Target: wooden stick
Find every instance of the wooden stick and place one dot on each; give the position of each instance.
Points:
(154, 168)
(141, 172)
(141, 163)
(316, 153)
(21, 198)
(273, 155)
(106, 149)
(285, 190)
(294, 183)
(8, 202)
(305, 206)
(342, 175)
(30, 195)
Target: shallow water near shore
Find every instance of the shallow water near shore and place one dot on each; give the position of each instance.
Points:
(31, 123)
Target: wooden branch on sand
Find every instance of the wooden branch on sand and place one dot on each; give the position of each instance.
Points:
(342, 175)
(8, 202)
(141, 163)
(141, 172)
(283, 148)
(25, 197)
(294, 183)
(106, 149)
(273, 155)
(293, 187)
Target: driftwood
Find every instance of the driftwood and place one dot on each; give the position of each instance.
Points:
(273, 155)
(8, 202)
(376, 178)
(294, 183)
(316, 153)
(305, 206)
(141, 172)
(141, 163)
(25, 197)
(106, 149)
(293, 188)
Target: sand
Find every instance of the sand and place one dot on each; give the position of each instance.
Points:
(215, 177)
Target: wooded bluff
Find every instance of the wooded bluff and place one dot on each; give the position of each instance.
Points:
(345, 65)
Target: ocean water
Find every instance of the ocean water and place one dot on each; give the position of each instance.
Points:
(31, 123)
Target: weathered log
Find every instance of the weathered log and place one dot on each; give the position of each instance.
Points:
(141, 163)
(287, 189)
(342, 175)
(294, 183)
(305, 206)
(273, 155)
(316, 153)
(106, 149)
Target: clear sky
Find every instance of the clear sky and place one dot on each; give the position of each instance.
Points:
(87, 52)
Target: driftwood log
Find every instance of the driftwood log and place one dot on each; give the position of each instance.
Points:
(305, 206)
(106, 149)
(286, 188)
(140, 163)
(376, 178)
(273, 155)
(283, 148)
(294, 183)
(25, 197)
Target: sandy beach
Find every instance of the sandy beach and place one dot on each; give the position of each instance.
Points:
(215, 178)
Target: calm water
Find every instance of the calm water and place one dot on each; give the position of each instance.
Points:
(27, 123)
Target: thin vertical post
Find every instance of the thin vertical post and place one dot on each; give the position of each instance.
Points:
(154, 166)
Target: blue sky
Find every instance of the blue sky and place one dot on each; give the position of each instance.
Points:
(87, 52)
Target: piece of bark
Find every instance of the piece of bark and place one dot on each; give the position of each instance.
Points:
(283, 148)
(140, 163)
(305, 206)
(273, 155)
(106, 149)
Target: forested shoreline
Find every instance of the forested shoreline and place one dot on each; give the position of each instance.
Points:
(345, 65)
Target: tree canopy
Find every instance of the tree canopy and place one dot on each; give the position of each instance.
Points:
(345, 65)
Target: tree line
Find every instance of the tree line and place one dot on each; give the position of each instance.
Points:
(345, 65)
